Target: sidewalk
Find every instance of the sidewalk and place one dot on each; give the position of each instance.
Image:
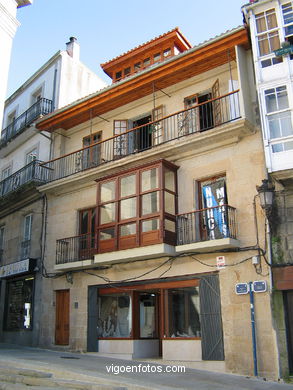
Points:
(93, 369)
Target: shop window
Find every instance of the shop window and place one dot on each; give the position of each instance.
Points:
(132, 208)
(19, 304)
(184, 312)
(91, 156)
(115, 316)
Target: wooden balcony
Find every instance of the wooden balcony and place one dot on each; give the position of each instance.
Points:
(186, 123)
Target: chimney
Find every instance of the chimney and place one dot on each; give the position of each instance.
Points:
(73, 48)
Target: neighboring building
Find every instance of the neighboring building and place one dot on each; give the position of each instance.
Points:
(8, 27)
(271, 28)
(152, 216)
(22, 208)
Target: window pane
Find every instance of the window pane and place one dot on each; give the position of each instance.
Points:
(288, 145)
(128, 186)
(170, 225)
(282, 98)
(184, 310)
(150, 203)
(147, 310)
(107, 234)
(19, 308)
(127, 230)
(107, 191)
(27, 228)
(107, 213)
(169, 203)
(115, 316)
(149, 225)
(128, 208)
(149, 179)
(280, 125)
(157, 57)
(170, 180)
(146, 62)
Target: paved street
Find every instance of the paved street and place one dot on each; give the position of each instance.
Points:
(92, 371)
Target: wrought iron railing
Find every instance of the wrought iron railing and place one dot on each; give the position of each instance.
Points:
(41, 107)
(32, 172)
(25, 249)
(200, 118)
(76, 248)
(206, 224)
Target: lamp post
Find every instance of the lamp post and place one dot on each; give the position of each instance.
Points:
(266, 196)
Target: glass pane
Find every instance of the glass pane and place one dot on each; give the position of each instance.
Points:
(260, 22)
(128, 186)
(107, 213)
(280, 125)
(147, 311)
(170, 180)
(107, 234)
(149, 225)
(288, 145)
(149, 179)
(150, 203)
(170, 225)
(127, 230)
(184, 312)
(107, 191)
(282, 98)
(84, 222)
(169, 203)
(115, 316)
(128, 208)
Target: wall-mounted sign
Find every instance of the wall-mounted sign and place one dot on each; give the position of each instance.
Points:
(221, 262)
(284, 50)
(259, 286)
(20, 267)
(241, 288)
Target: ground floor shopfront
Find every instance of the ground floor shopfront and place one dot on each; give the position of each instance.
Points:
(186, 310)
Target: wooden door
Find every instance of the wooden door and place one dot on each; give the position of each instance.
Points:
(62, 317)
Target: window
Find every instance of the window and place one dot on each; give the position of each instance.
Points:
(167, 53)
(133, 206)
(6, 172)
(278, 117)
(157, 57)
(19, 304)
(288, 19)
(114, 316)
(267, 32)
(27, 232)
(31, 156)
(120, 143)
(213, 200)
(91, 156)
(184, 309)
(118, 75)
(137, 66)
(87, 223)
(127, 71)
(146, 62)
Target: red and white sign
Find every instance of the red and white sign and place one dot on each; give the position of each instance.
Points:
(221, 262)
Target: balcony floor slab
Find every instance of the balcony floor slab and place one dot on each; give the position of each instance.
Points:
(82, 264)
(205, 246)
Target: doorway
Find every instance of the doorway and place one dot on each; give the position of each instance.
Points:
(288, 298)
(143, 135)
(62, 317)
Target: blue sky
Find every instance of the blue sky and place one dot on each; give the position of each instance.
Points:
(105, 29)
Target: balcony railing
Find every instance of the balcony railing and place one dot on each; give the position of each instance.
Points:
(76, 248)
(207, 224)
(25, 249)
(201, 225)
(200, 118)
(32, 172)
(41, 107)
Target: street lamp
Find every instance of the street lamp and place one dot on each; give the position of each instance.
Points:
(266, 196)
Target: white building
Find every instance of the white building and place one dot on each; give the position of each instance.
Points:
(61, 80)
(271, 27)
(8, 27)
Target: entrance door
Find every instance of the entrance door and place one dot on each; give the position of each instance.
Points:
(149, 322)
(62, 317)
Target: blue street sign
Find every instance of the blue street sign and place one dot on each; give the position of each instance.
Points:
(241, 288)
(259, 286)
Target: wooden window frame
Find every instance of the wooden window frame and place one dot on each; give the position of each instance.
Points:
(140, 238)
